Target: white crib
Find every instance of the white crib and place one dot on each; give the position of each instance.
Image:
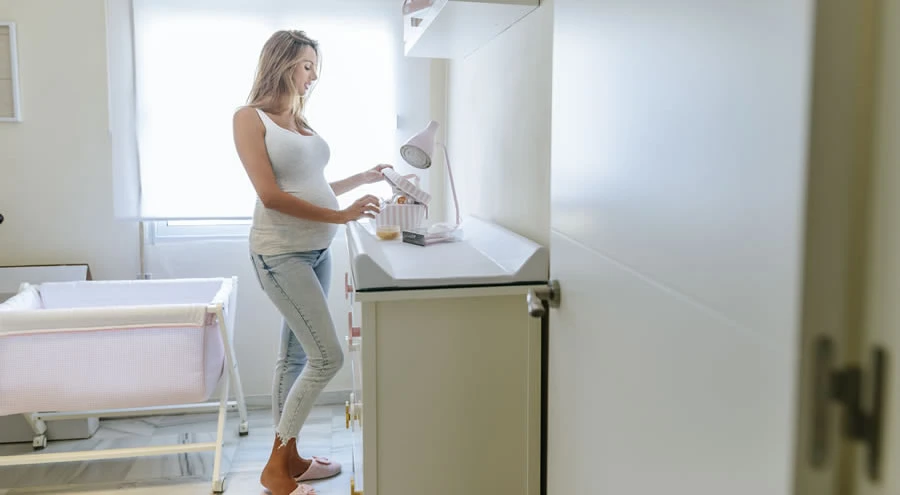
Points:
(117, 349)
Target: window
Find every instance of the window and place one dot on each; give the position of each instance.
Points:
(193, 65)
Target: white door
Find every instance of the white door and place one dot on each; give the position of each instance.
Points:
(882, 311)
(681, 139)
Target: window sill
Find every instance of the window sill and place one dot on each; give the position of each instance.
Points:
(160, 232)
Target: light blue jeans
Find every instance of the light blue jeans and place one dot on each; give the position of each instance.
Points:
(309, 355)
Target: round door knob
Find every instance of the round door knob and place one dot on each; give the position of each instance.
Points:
(1, 218)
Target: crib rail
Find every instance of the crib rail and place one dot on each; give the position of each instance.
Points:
(231, 406)
(105, 454)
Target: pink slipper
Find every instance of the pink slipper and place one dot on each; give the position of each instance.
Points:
(300, 490)
(304, 490)
(320, 468)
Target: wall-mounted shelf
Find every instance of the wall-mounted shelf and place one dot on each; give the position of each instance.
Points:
(454, 29)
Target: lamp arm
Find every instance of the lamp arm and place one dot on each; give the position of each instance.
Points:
(452, 185)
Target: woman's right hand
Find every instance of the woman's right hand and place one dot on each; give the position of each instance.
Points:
(366, 206)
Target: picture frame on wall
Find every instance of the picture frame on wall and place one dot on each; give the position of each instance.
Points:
(10, 105)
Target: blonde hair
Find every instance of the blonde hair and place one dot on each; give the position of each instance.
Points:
(274, 82)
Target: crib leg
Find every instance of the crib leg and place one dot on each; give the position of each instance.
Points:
(219, 486)
(244, 427)
(235, 375)
(217, 478)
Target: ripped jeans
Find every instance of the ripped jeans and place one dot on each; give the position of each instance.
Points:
(310, 354)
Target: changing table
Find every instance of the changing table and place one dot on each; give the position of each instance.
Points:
(446, 363)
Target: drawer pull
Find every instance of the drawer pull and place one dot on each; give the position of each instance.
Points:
(347, 412)
(354, 331)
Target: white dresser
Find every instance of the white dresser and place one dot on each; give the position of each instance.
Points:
(446, 364)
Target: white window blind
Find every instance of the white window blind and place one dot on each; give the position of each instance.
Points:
(193, 66)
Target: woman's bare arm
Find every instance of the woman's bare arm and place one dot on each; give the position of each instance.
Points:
(346, 185)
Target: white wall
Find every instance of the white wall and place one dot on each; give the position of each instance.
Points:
(55, 167)
(62, 153)
(499, 128)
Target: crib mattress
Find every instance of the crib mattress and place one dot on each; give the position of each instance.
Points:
(74, 346)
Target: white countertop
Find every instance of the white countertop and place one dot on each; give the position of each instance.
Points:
(487, 255)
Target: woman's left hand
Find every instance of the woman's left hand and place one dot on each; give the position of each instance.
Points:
(374, 174)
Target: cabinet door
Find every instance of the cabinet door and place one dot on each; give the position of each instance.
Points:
(877, 464)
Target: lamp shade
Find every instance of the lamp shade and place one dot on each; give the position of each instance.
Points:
(418, 149)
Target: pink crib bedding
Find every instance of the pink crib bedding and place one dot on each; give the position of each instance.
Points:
(89, 345)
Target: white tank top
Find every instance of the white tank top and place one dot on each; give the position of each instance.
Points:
(298, 162)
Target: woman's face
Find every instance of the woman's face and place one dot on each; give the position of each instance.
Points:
(305, 72)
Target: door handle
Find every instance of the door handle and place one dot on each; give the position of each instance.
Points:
(845, 387)
(536, 297)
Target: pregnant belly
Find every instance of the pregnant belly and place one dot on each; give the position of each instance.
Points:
(322, 199)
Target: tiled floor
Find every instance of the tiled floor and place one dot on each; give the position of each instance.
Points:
(179, 474)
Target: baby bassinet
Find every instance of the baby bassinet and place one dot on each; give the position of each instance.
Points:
(116, 348)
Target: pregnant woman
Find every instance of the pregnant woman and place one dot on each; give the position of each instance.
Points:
(294, 223)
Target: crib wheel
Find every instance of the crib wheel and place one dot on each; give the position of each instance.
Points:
(39, 442)
(244, 429)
